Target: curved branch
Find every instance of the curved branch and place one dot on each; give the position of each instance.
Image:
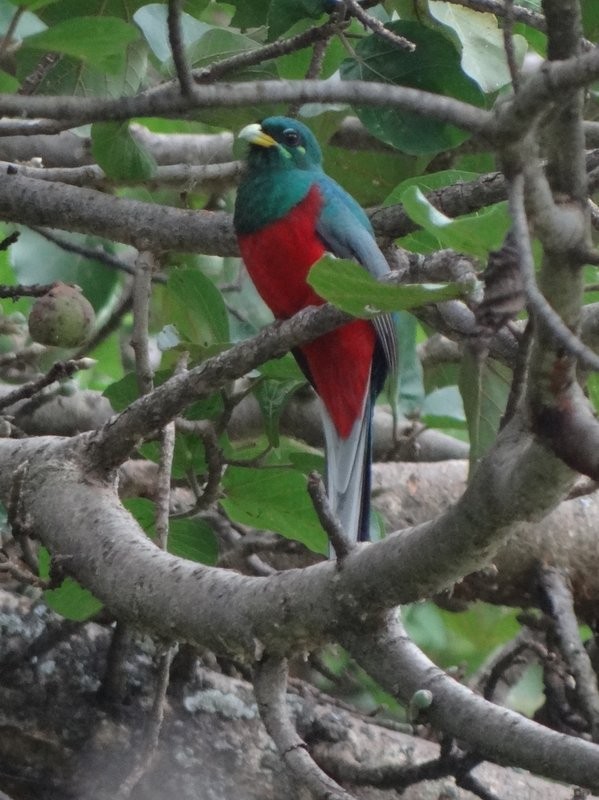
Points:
(400, 667)
(270, 687)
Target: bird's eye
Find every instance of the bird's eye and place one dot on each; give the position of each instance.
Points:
(291, 137)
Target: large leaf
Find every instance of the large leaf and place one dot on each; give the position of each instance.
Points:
(59, 10)
(429, 182)
(188, 538)
(27, 24)
(70, 599)
(481, 41)
(100, 41)
(285, 13)
(443, 408)
(119, 154)
(350, 287)
(196, 308)
(434, 66)
(274, 500)
(475, 233)
(250, 15)
(152, 20)
(272, 397)
(590, 18)
(484, 386)
(74, 76)
(410, 390)
(217, 45)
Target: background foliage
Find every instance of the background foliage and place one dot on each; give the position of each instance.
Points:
(106, 48)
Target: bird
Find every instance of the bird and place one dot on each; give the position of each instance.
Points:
(288, 214)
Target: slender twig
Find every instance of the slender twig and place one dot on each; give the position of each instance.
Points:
(163, 484)
(508, 44)
(281, 47)
(519, 13)
(167, 651)
(59, 371)
(509, 655)
(153, 728)
(175, 35)
(33, 290)
(561, 608)
(270, 684)
(93, 253)
(377, 27)
(22, 575)
(314, 68)
(214, 461)
(6, 40)
(329, 521)
(536, 299)
(142, 290)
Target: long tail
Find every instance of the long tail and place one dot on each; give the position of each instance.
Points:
(349, 459)
(348, 473)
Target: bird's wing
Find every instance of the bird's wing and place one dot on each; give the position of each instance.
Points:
(347, 233)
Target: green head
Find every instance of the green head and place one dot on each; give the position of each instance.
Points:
(282, 160)
(281, 143)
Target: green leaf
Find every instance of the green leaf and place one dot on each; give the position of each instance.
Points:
(36, 260)
(433, 66)
(196, 308)
(282, 369)
(484, 386)
(67, 9)
(481, 41)
(27, 24)
(70, 599)
(144, 512)
(100, 41)
(8, 83)
(152, 20)
(475, 233)
(443, 408)
(272, 397)
(193, 539)
(188, 538)
(119, 154)
(274, 500)
(590, 19)
(220, 43)
(410, 394)
(285, 13)
(351, 288)
(250, 15)
(430, 182)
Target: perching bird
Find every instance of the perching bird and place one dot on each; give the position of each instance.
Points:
(289, 213)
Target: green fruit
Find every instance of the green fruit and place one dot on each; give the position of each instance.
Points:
(62, 317)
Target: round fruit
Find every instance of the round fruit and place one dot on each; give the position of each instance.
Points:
(62, 317)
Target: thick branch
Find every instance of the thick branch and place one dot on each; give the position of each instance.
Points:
(399, 666)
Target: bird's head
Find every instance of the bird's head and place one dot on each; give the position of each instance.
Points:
(281, 143)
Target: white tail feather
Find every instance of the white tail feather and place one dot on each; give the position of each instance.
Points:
(346, 460)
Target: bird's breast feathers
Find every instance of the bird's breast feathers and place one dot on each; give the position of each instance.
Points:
(278, 257)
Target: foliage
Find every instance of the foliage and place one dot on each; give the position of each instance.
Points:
(105, 49)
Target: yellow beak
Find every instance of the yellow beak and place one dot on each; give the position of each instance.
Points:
(254, 134)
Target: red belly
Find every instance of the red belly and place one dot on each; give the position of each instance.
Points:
(278, 259)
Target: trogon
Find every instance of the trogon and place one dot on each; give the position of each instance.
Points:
(288, 213)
